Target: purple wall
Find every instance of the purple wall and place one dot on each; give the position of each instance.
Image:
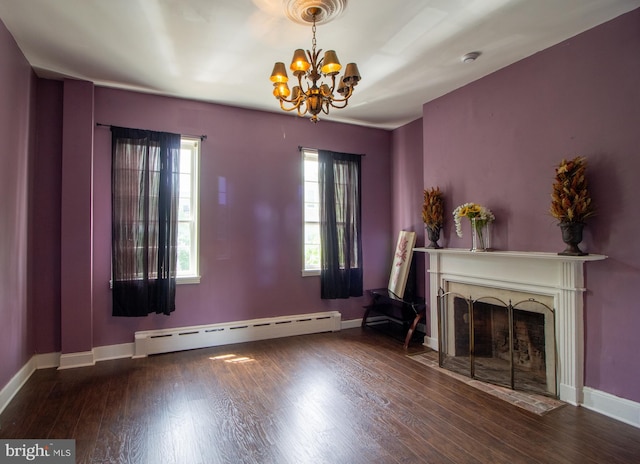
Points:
(250, 250)
(496, 142)
(44, 251)
(407, 189)
(17, 89)
(76, 217)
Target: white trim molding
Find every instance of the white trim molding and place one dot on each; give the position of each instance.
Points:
(621, 409)
(15, 384)
(106, 353)
(73, 360)
(351, 324)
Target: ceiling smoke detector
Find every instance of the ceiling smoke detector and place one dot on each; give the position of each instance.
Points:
(470, 57)
(302, 11)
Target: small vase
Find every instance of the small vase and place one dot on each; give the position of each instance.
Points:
(433, 234)
(572, 236)
(480, 235)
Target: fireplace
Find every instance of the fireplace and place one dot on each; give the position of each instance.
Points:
(554, 281)
(505, 338)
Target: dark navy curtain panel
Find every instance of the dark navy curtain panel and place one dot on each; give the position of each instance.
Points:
(340, 226)
(144, 193)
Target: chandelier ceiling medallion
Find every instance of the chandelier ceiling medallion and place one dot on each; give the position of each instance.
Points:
(319, 95)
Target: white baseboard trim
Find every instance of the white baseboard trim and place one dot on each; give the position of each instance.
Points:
(15, 384)
(570, 394)
(105, 353)
(621, 409)
(47, 360)
(351, 324)
(431, 342)
(73, 360)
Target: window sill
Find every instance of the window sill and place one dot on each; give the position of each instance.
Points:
(188, 280)
(310, 272)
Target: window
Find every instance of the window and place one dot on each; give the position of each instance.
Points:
(187, 269)
(188, 211)
(311, 200)
(144, 221)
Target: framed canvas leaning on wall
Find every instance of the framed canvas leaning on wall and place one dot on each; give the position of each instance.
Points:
(402, 256)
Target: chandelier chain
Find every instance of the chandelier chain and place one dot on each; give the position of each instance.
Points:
(313, 29)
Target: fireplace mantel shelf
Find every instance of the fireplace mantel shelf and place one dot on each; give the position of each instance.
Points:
(511, 254)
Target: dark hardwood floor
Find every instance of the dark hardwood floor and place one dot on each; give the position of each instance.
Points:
(347, 397)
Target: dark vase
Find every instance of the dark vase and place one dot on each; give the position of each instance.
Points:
(572, 236)
(433, 234)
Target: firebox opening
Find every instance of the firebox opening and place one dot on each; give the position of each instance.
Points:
(511, 345)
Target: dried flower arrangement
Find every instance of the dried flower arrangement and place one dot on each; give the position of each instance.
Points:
(570, 200)
(433, 208)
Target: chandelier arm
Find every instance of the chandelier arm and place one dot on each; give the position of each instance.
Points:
(282, 107)
(345, 101)
(333, 83)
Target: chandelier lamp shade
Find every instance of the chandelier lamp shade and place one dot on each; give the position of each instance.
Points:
(316, 87)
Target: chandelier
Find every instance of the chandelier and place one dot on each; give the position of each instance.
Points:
(319, 95)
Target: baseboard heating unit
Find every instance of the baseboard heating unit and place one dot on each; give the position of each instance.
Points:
(203, 336)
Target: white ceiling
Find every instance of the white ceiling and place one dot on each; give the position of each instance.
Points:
(222, 51)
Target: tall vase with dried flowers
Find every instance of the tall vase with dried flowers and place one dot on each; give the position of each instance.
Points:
(571, 203)
(433, 215)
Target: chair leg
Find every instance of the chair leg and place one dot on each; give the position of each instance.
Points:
(411, 329)
(366, 315)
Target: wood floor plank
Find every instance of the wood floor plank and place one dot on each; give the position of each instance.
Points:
(352, 396)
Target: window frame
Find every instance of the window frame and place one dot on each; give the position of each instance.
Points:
(308, 154)
(195, 145)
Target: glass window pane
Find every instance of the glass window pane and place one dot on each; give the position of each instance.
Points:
(184, 247)
(310, 170)
(311, 212)
(185, 161)
(184, 209)
(311, 192)
(184, 260)
(185, 185)
(312, 233)
(312, 256)
(184, 234)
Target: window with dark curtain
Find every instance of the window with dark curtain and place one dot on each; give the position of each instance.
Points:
(340, 229)
(144, 193)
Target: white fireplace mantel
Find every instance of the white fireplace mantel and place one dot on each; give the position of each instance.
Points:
(558, 276)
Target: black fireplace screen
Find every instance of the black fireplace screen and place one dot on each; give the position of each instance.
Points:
(499, 342)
